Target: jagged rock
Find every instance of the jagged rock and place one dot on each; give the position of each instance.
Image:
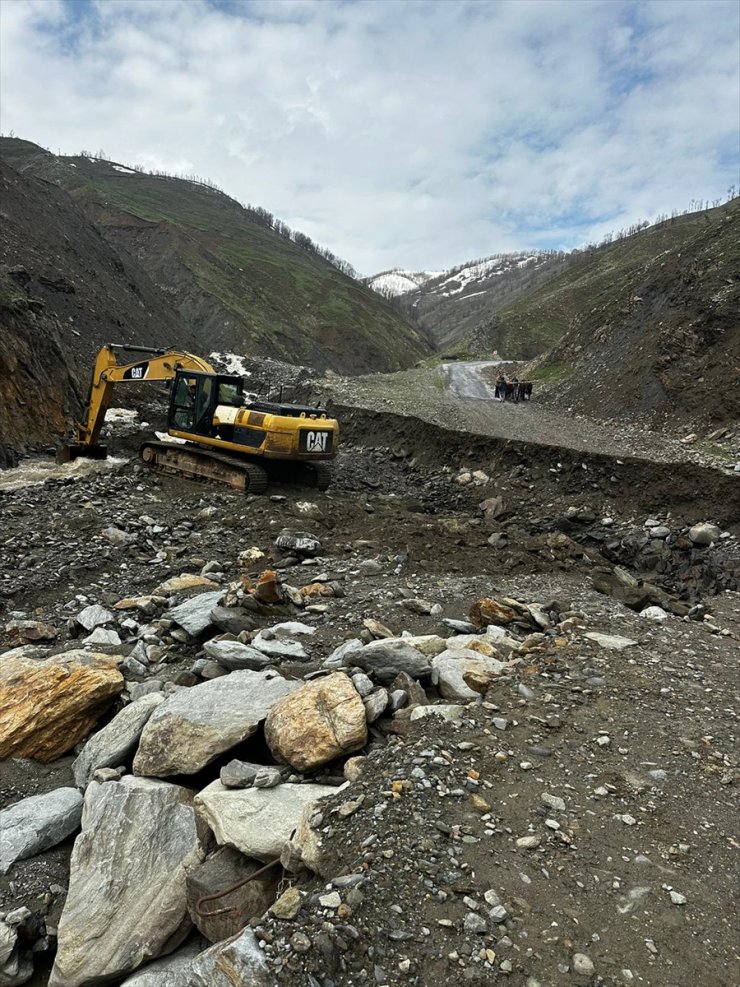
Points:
(46, 707)
(233, 655)
(126, 902)
(238, 962)
(239, 774)
(196, 725)
(37, 823)
(257, 821)
(221, 870)
(428, 644)
(30, 630)
(232, 620)
(93, 616)
(449, 668)
(103, 638)
(16, 964)
(188, 580)
(704, 534)
(386, 658)
(195, 615)
(170, 971)
(375, 704)
(305, 849)
(298, 543)
(115, 743)
(318, 722)
(487, 611)
(341, 654)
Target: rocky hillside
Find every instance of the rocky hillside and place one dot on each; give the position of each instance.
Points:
(649, 325)
(233, 280)
(64, 291)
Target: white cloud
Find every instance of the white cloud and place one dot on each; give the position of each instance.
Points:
(410, 134)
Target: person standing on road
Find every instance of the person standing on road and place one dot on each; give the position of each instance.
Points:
(500, 390)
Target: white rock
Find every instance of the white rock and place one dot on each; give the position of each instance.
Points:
(704, 534)
(582, 965)
(449, 667)
(447, 711)
(102, 636)
(93, 616)
(654, 613)
(257, 821)
(611, 641)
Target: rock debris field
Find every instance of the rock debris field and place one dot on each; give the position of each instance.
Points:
(463, 723)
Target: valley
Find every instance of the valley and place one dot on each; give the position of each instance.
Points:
(468, 715)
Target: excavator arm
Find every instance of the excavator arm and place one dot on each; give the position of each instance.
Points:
(156, 365)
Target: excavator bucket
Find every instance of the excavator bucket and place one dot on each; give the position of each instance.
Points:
(74, 450)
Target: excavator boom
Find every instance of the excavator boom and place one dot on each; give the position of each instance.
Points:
(158, 364)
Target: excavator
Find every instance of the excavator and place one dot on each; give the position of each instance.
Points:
(217, 431)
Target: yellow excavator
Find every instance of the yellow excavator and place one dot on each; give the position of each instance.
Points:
(224, 435)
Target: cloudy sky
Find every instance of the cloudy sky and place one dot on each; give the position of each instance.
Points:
(415, 134)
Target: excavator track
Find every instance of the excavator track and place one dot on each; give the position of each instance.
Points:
(202, 464)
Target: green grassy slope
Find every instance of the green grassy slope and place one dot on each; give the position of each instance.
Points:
(598, 281)
(236, 283)
(649, 326)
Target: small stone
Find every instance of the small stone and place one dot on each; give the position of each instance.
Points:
(288, 904)
(474, 923)
(528, 842)
(300, 942)
(677, 898)
(330, 900)
(582, 965)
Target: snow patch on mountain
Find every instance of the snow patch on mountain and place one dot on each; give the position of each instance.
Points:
(399, 282)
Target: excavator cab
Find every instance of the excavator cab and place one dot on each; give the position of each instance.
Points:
(195, 397)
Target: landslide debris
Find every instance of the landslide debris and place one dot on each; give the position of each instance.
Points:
(514, 770)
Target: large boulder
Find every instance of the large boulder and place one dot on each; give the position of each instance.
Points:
(115, 743)
(195, 725)
(449, 669)
(704, 534)
(37, 823)
(127, 897)
(384, 659)
(257, 821)
(237, 962)
(318, 722)
(48, 706)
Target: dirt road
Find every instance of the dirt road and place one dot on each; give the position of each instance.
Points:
(466, 381)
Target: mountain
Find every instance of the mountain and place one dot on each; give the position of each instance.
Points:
(455, 307)
(234, 275)
(64, 291)
(647, 326)
(399, 282)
